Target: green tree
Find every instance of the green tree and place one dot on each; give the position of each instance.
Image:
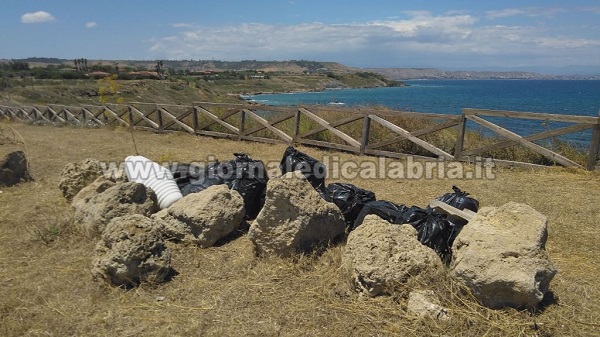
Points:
(17, 65)
(159, 68)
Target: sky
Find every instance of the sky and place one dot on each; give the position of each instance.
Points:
(450, 35)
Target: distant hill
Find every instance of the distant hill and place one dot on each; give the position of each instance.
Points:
(81, 81)
(291, 66)
(400, 74)
(315, 67)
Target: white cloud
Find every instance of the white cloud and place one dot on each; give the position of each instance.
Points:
(90, 24)
(37, 17)
(564, 43)
(423, 23)
(182, 25)
(529, 11)
(453, 39)
(590, 9)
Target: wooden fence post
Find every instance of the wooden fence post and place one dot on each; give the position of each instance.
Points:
(36, 115)
(296, 126)
(460, 137)
(130, 113)
(195, 118)
(365, 134)
(159, 117)
(242, 124)
(594, 146)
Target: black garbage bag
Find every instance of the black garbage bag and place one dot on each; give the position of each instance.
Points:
(242, 174)
(387, 210)
(433, 229)
(184, 173)
(460, 200)
(206, 177)
(349, 198)
(312, 169)
(250, 180)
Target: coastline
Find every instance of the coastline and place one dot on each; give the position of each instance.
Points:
(316, 90)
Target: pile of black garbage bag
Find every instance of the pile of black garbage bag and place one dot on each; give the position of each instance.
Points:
(434, 229)
(249, 177)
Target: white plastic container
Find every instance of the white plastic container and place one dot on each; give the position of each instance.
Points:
(143, 170)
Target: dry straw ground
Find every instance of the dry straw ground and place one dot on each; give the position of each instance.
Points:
(46, 288)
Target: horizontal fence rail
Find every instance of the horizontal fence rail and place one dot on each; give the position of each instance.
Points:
(303, 125)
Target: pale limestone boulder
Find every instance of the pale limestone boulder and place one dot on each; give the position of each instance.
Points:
(424, 303)
(131, 251)
(294, 219)
(380, 255)
(98, 186)
(204, 217)
(76, 176)
(118, 200)
(500, 255)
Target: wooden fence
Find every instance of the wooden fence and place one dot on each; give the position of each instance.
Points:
(300, 125)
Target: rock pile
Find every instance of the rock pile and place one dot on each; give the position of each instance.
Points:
(499, 255)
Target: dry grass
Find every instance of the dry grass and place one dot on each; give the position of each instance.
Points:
(46, 288)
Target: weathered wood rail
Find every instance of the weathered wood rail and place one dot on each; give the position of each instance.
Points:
(300, 125)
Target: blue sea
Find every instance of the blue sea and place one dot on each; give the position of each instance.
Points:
(571, 97)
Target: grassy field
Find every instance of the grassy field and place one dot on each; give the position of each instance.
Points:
(46, 287)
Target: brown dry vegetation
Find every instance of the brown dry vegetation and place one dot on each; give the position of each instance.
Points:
(46, 288)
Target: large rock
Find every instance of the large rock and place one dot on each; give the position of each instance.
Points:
(76, 176)
(203, 218)
(380, 255)
(118, 200)
(131, 251)
(500, 255)
(294, 219)
(99, 185)
(13, 169)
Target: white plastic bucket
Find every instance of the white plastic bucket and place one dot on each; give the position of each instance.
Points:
(143, 170)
